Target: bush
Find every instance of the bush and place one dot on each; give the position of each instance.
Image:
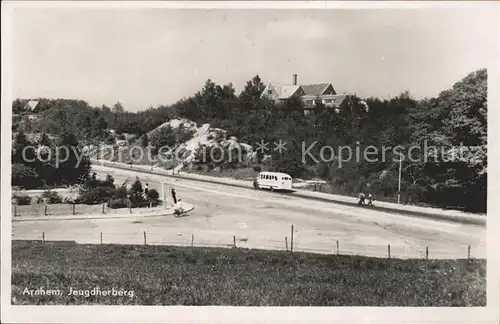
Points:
(136, 193)
(22, 200)
(120, 192)
(115, 203)
(69, 200)
(25, 177)
(257, 168)
(153, 194)
(97, 195)
(52, 197)
(142, 204)
(110, 139)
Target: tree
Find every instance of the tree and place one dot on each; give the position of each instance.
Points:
(99, 128)
(17, 106)
(70, 169)
(45, 140)
(118, 108)
(20, 143)
(25, 176)
(136, 192)
(163, 138)
(145, 140)
(110, 181)
(253, 90)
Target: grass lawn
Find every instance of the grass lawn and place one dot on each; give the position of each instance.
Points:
(164, 275)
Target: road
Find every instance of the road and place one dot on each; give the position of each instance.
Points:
(262, 219)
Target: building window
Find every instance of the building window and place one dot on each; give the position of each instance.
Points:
(269, 92)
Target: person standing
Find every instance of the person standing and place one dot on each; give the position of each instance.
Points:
(371, 198)
(361, 197)
(146, 188)
(174, 197)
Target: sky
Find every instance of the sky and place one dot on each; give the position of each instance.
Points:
(147, 57)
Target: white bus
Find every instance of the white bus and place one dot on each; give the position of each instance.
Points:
(273, 181)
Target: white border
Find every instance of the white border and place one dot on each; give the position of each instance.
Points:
(217, 314)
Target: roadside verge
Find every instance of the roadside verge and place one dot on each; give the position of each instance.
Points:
(157, 212)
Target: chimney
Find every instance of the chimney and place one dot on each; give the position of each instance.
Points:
(295, 79)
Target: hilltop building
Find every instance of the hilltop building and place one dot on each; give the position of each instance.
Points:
(310, 94)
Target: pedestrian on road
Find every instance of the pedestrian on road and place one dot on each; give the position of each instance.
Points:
(174, 198)
(361, 198)
(371, 198)
(146, 189)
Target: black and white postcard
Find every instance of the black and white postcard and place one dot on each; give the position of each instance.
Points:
(250, 162)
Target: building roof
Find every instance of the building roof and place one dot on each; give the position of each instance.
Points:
(32, 104)
(314, 89)
(286, 91)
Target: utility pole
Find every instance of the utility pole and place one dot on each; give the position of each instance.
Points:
(399, 182)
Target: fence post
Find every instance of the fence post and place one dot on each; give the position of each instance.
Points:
(73, 209)
(150, 204)
(144, 237)
(192, 239)
(468, 253)
(101, 237)
(286, 243)
(45, 210)
(234, 240)
(103, 208)
(427, 253)
(291, 240)
(43, 237)
(389, 250)
(15, 210)
(337, 247)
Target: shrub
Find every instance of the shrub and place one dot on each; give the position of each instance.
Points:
(25, 177)
(120, 192)
(136, 192)
(69, 200)
(110, 139)
(153, 194)
(115, 203)
(97, 195)
(257, 168)
(22, 199)
(110, 182)
(183, 134)
(142, 204)
(52, 197)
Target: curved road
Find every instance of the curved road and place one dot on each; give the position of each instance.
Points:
(261, 219)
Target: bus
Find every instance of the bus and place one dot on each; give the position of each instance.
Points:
(273, 181)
